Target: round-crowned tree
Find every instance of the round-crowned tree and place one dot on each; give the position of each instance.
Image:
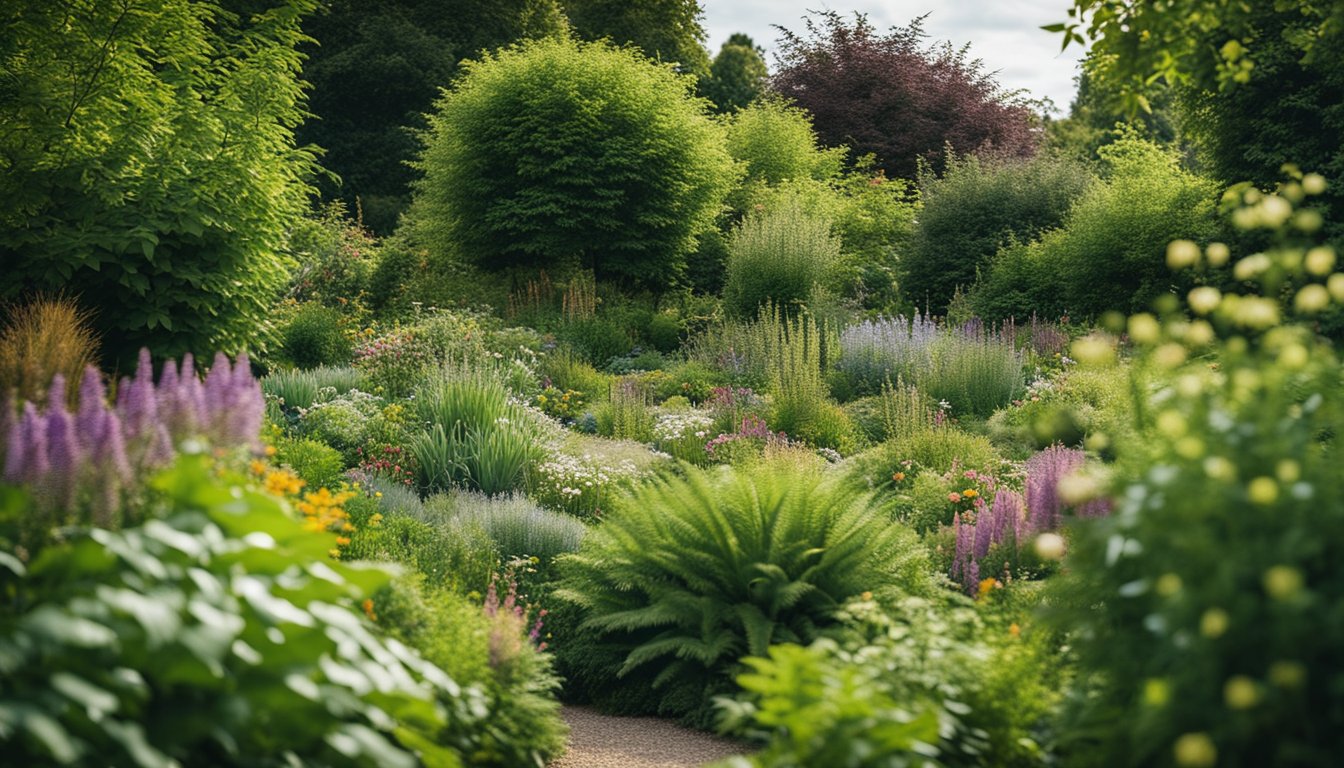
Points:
(557, 151)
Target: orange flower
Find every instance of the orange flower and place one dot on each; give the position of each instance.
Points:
(1015, 630)
(897, 477)
(367, 605)
(970, 493)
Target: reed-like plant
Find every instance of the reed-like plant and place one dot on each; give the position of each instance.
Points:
(974, 372)
(298, 390)
(778, 257)
(627, 414)
(518, 525)
(43, 338)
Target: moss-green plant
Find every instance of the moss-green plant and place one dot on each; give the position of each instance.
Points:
(560, 151)
(313, 337)
(688, 573)
(317, 464)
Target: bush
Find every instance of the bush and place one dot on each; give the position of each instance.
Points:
(975, 208)
(924, 682)
(581, 479)
(874, 352)
(973, 372)
(1110, 253)
(688, 574)
(41, 339)
(462, 559)
(491, 652)
(776, 143)
(778, 256)
(518, 526)
(342, 422)
(317, 464)
(559, 150)
(942, 448)
(1214, 633)
(335, 258)
(313, 337)
(598, 339)
(221, 635)
(129, 195)
(626, 414)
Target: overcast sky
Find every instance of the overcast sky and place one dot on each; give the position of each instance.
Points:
(1006, 34)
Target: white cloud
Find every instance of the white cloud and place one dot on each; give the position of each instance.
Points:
(1005, 34)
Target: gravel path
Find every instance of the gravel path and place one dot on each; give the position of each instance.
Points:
(603, 741)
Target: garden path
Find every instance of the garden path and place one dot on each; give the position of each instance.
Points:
(603, 741)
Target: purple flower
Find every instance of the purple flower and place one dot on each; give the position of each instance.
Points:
(1044, 471)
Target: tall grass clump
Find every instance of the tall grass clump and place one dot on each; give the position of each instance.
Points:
(778, 256)
(626, 414)
(873, 351)
(691, 572)
(973, 371)
(42, 338)
(475, 436)
(903, 410)
(299, 389)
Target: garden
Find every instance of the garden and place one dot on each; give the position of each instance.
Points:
(383, 384)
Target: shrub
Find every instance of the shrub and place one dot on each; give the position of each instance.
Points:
(394, 363)
(795, 357)
(942, 448)
(313, 337)
(581, 477)
(1205, 608)
(565, 371)
(976, 207)
(776, 143)
(597, 339)
(518, 526)
(193, 653)
(122, 187)
(317, 464)
(451, 557)
(887, 95)
(778, 256)
(683, 436)
(490, 650)
(342, 422)
(924, 682)
(40, 339)
(973, 372)
(626, 414)
(1110, 253)
(335, 258)
(559, 150)
(688, 574)
(875, 351)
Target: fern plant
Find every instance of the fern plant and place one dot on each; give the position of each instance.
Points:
(691, 572)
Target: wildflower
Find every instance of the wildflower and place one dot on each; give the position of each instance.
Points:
(970, 493)
(897, 477)
(954, 497)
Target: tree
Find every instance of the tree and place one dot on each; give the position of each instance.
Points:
(558, 151)
(148, 165)
(1258, 84)
(738, 75)
(668, 31)
(889, 95)
(376, 69)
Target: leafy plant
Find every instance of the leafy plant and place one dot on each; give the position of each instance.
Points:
(313, 337)
(688, 573)
(518, 525)
(220, 634)
(299, 390)
(157, 174)
(556, 151)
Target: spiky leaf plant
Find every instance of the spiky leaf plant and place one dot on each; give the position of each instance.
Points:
(691, 572)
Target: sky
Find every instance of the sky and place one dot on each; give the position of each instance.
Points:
(1006, 34)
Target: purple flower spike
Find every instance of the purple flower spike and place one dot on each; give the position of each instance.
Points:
(139, 407)
(33, 462)
(1044, 471)
(15, 443)
(64, 451)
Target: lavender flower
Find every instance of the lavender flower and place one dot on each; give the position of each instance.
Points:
(1045, 508)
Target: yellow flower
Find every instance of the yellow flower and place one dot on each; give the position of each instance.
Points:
(970, 493)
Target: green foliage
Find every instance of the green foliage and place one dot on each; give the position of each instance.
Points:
(475, 436)
(220, 635)
(779, 257)
(317, 464)
(489, 652)
(566, 371)
(298, 390)
(895, 689)
(737, 76)
(973, 373)
(777, 144)
(558, 152)
(626, 414)
(688, 573)
(1110, 252)
(976, 207)
(795, 356)
(518, 526)
(335, 258)
(941, 448)
(376, 70)
(152, 167)
(343, 422)
(450, 557)
(1204, 609)
(669, 31)
(313, 337)
(598, 338)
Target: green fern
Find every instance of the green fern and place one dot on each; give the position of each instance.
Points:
(691, 572)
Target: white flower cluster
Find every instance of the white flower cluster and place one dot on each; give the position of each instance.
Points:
(578, 483)
(675, 426)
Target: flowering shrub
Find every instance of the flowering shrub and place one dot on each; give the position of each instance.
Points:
(683, 436)
(393, 363)
(748, 440)
(581, 485)
(874, 351)
(341, 421)
(565, 406)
